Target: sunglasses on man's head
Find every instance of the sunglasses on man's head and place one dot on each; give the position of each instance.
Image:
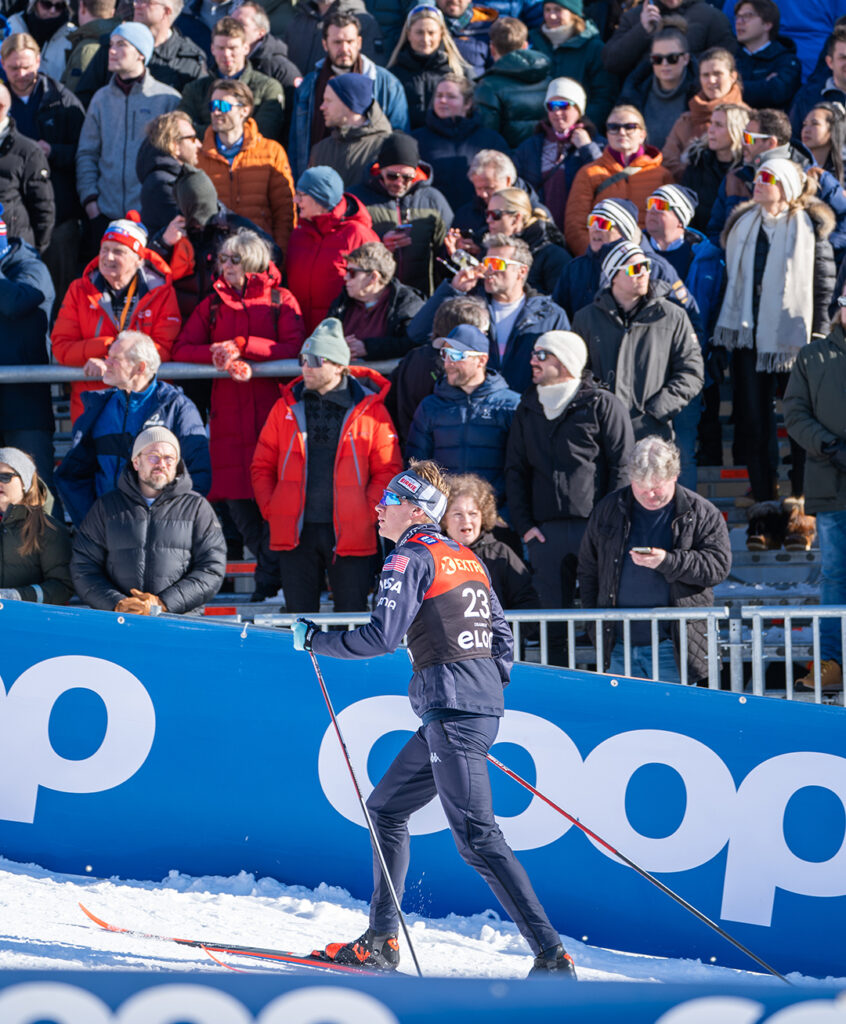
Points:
(751, 137)
(657, 203)
(766, 178)
(311, 361)
(665, 58)
(7, 478)
(558, 104)
(615, 127)
(599, 222)
(222, 106)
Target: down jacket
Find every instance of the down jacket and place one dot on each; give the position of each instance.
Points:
(173, 548)
(510, 97)
(419, 75)
(316, 256)
(26, 190)
(257, 184)
(42, 576)
(700, 559)
(265, 323)
(268, 101)
(367, 457)
(85, 325)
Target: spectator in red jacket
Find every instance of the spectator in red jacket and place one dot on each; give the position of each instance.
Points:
(247, 318)
(331, 224)
(327, 451)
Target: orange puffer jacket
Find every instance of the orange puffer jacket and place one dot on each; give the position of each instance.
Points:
(368, 456)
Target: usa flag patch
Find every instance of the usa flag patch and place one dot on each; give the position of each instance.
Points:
(396, 563)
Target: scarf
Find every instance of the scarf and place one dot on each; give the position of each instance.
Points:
(702, 108)
(554, 398)
(783, 327)
(559, 35)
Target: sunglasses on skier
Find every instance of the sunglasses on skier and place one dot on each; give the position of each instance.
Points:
(389, 498)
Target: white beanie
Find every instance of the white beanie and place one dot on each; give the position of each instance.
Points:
(567, 89)
(568, 348)
(790, 175)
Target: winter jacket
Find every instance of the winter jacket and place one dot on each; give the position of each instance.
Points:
(699, 560)
(268, 102)
(815, 416)
(580, 58)
(316, 256)
(366, 458)
(692, 124)
(809, 96)
(637, 181)
(257, 184)
(554, 185)
(419, 75)
(425, 209)
(265, 323)
(173, 548)
(448, 145)
(104, 434)
(466, 433)
(403, 304)
(473, 39)
(549, 256)
(42, 576)
(637, 90)
(112, 134)
(511, 579)
(511, 96)
(352, 149)
(472, 682)
(85, 42)
(26, 302)
(157, 171)
(704, 173)
(55, 50)
(706, 27)
(26, 191)
(412, 379)
(387, 92)
(471, 220)
(560, 469)
(537, 315)
(653, 363)
(305, 33)
(771, 77)
(270, 56)
(85, 324)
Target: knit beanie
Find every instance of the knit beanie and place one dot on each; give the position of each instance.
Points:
(21, 463)
(576, 6)
(353, 90)
(323, 184)
(399, 148)
(136, 35)
(620, 256)
(155, 435)
(128, 231)
(682, 201)
(195, 196)
(567, 89)
(568, 348)
(790, 175)
(4, 234)
(327, 340)
(623, 215)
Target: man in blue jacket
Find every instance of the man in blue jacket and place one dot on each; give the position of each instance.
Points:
(438, 594)
(769, 68)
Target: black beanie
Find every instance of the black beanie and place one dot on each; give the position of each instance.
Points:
(399, 148)
(195, 196)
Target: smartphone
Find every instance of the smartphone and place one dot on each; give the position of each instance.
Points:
(643, 551)
(403, 227)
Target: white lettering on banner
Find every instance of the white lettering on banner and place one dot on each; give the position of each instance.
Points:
(750, 818)
(736, 1010)
(27, 758)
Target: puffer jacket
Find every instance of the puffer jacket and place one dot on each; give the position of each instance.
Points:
(473, 36)
(419, 75)
(157, 171)
(352, 149)
(510, 97)
(268, 102)
(316, 256)
(422, 206)
(367, 457)
(699, 560)
(554, 186)
(42, 576)
(580, 58)
(771, 77)
(815, 416)
(257, 184)
(549, 255)
(511, 578)
(26, 191)
(55, 50)
(173, 548)
(466, 433)
(85, 324)
(265, 323)
(637, 181)
(403, 304)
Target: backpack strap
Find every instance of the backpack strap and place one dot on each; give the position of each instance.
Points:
(626, 172)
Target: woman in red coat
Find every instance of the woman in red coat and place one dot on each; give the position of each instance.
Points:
(331, 224)
(247, 318)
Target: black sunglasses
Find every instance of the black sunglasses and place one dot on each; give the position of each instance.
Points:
(398, 176)
(665, 58)
(7, 478)
(498, 214)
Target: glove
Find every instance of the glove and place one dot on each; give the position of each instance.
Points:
(223, 353)
(719, 360)
(9, 594)
(239, 370)
(303, 630)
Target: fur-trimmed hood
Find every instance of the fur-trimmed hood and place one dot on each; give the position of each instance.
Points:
(821, 214)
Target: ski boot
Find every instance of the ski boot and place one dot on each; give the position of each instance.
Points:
(378, 952)
(554, 961)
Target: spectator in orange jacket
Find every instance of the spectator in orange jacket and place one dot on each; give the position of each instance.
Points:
(250, 172)
(128, 287)
(324, 456)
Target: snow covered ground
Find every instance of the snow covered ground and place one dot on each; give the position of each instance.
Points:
(43, 928)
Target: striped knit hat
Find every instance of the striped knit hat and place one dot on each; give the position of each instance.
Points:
(623, 215)
(682, 201)
(128, 231)
(619, 256)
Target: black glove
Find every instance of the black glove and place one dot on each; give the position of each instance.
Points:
(303, 630)
(718, 360)
(836, 452)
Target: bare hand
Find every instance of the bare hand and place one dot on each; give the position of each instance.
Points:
(45, 146)
(651, 561)
(92, 209)
(650, 17)
(394, 240)
(357, 349)
(453, 237)
(465, 280)
(533, 534)
(468, 245)
(174, 231)
(580, 138)
(132, 606)
(95, 368)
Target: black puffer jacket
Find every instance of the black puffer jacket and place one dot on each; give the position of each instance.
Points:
(26, 191)
(157, 171)
(403, 303)
(411, 381)
(174, 548)
(419, 75)
(704, 173)
(510, 95)
(511, 579)
(549, 255)
(42, 576)
(699, 560)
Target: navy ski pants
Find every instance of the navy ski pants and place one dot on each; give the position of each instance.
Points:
(447, 759)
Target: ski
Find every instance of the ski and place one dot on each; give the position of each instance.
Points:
(313, 961)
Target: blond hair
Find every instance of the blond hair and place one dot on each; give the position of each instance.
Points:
(456, 62)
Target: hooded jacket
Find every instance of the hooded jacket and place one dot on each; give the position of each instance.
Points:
(26, 191)
(580, 58)
(352, 149)
(549, 255)
(367, 457)
(265, 323)
(42, 576)
(316, 252)
(173, 548)
(403, 304)
(511, 96)
(419, 75)
(268, 102)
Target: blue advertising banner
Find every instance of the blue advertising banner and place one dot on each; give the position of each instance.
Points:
(132, 746)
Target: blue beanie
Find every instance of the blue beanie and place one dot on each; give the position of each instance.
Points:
(323, 184)
(137, 35)
(354, 91)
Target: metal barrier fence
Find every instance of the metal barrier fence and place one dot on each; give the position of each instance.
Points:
(55, 374)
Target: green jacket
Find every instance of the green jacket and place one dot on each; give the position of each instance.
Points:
(85, 45)
(580, 58)
(510, 96)
(268, 99)
(43, 576)
(815, 415)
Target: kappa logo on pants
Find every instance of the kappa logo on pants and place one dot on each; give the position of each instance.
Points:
(433, 757)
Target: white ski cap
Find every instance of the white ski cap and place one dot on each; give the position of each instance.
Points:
(420, 492)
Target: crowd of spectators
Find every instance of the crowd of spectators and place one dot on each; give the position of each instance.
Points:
(573, 223)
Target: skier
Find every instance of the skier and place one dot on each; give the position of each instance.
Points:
(436, 592)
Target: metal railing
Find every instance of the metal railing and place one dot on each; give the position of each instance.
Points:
(55, 374)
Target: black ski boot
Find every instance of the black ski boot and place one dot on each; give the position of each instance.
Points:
(554, 961)
(378, 952)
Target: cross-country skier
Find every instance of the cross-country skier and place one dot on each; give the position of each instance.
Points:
(438, 593)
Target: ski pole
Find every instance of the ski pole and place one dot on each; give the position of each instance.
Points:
(373, 837)
(636, 867)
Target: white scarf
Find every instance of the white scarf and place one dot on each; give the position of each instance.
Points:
(785, 310)
(558, 35)
(554, 398)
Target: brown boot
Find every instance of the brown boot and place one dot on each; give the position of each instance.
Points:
(831, 677)
(766, 526)
(801, 530)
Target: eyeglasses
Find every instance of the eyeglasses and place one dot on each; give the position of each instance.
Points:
(164, 460)
(7, 478)
(229, 257)
(751, 137)
(498, 214)
(399, 176)
(311, 361)
(636, 269)
(747, 16)
(540, 354)
(600, 223)
(389, 498)
(657, 203)
(222, 106)
(499, 263)
(558, 105)
(452, 355)
(766, 178)
(352, 271)
(614, 128)
(665, 58)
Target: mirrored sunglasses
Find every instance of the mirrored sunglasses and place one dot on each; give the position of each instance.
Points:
(750, 137)
(766, 178)
(657, 203)
(164, 460)
(389, 498)
(599, 222)
(558, 104)
(499, 263)
(398, 176)
(222, 106)
(452, 355)
(540, 354)
(636, 269)
(312, 361)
